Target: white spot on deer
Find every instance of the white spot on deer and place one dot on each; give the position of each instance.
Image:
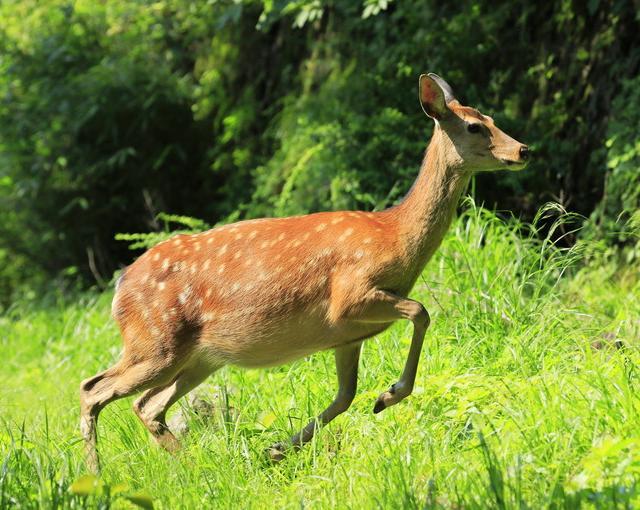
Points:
(177, 242)
(161, 285)
(156, 303)
(197, 246)
(208, 316)
(297, 243)
(281, 236)
(193, 268)
(165, 316)
(238, 254)
(253, 234)
(155, 331)
(221, 269)
(205, 266)
(172, 312)
(321, 227)
(165, 264)
(198, 302)
(223, 250)
(238, 236)
(359, 254)
(337, 220)
(264, 244)
(210, 240)
(144, 279)
(249, 287)
(156, 257)
(145, 313)
(353, 214)
(235, 287)
(208, 293)
(366, 240)
(184, 295)
(306, 236)
(345, 234)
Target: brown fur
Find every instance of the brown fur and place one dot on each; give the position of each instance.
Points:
(264, 292)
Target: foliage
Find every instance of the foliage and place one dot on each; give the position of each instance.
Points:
(113, 111)
(526, 397)
(617, 215)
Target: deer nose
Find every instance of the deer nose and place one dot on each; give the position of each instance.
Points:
(524, 153)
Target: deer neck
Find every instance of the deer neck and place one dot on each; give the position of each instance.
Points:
(424, 216)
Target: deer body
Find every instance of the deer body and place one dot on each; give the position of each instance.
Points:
(264, 292)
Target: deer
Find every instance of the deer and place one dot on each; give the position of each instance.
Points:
(265, 292)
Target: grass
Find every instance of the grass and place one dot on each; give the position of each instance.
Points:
(526, 397)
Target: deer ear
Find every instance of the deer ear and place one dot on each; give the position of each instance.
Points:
(435, 93)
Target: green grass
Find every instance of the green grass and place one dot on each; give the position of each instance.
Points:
(522, 399)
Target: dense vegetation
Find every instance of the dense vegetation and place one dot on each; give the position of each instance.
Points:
(526, 397)
(122, 121)
(111, 112)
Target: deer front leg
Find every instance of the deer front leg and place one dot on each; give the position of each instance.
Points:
(347, 358)
(383, 306)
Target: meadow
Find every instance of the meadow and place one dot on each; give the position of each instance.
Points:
(526, 397)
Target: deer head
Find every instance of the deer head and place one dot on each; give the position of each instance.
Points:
(474, 142)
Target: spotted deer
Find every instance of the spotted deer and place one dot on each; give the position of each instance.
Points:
(264, 292)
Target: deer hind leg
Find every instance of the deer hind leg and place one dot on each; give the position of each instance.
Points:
(153, 405)
(347, 358)
(128, 376)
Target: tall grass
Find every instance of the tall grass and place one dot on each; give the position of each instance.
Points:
(526, 397)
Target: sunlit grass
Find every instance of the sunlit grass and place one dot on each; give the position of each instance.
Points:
(523, 399)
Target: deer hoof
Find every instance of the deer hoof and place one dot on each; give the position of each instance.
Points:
(276, 453)
(380, 406)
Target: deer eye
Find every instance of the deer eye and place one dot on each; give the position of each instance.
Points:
(473, 128)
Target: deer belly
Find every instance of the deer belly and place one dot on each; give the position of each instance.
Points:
(275, 342)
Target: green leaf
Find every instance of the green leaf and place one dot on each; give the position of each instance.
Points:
(141, 499)
(86, 485)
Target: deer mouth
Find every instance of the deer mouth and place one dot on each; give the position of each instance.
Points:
(514, 165)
